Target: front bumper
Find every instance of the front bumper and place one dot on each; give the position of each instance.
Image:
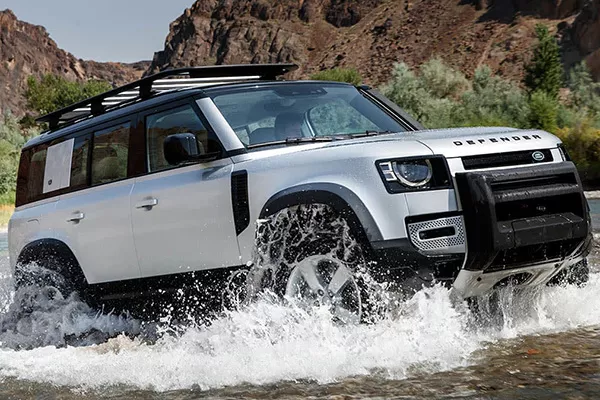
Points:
(521, 224)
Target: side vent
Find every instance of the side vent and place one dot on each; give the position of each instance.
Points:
(239, 199)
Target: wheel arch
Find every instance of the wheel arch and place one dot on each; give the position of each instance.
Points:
(40, 249)
(339, 197)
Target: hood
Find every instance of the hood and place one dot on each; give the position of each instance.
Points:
(451, 143)
(471, 141)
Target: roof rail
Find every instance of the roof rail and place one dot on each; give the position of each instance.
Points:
(160, 82)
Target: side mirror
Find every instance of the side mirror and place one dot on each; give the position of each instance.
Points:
(184, 147)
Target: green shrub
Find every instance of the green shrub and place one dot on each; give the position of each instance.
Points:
(493, 101)
(406, 90)
(543, 111)
(585, 93)
(53, 92)
(583, 144)
(12, 138)
(8, 198)
(348, 75)
(441, 80)
(421, 95)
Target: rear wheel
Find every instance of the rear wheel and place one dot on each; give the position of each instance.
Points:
(309, 255)
(50, 268)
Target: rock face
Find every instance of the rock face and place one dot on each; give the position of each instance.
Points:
(548, 8)
(370, 35)
(27, 49)
(586, 32)
(255, 31)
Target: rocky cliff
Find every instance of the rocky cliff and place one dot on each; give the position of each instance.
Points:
(586, 31)
(371, 35)
(27, 49)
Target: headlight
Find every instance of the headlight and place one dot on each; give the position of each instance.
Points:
(414, 174)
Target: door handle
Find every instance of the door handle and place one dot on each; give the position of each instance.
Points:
(76, 217)
(147, 204)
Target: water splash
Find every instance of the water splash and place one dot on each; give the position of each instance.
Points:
(266, 341)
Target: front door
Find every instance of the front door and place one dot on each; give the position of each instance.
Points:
(182, 215)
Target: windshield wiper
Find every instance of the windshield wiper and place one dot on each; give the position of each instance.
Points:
(293, 140)
(368, 133)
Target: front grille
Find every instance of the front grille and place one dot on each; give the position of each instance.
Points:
(507, 159)
(513, 258)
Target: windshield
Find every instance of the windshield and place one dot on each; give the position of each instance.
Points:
(292, 112)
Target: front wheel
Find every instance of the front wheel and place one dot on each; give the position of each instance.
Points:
(326, 281)
(309, 255)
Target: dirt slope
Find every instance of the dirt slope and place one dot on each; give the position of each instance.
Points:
(372, 35)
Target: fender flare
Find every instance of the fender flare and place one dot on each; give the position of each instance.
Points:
(42, 248)
(340, 198)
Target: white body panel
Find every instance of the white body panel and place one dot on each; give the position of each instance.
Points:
(29, 224)
(191, 226)
(102, 241)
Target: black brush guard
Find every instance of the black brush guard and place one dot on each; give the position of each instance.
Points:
(523, 216)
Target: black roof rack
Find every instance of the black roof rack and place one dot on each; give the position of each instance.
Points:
(163, 81)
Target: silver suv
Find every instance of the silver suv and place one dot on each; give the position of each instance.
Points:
(197, 172)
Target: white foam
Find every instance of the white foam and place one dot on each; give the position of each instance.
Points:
(268, 342)
(263, 344)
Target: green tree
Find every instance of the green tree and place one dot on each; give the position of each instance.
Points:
(585, 93)
(12, 138)
(545, 71)
(53, 92)
(348, 75)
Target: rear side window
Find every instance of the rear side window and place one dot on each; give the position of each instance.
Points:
(79, 162)
(30, 181)
(179, 120)
(109, 154)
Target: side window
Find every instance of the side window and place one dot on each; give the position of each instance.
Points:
(33, 166)
(47, 168)
(79, 162)
(178, 120)
(109, 154)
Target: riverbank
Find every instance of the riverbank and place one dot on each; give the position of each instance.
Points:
(5, 213)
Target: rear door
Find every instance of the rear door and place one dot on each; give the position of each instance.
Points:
(182, 216)
(96, 220)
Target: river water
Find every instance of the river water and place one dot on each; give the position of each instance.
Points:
(546, 346)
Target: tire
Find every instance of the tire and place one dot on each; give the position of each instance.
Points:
(577, 274)
(50, 269)
(309, 255)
